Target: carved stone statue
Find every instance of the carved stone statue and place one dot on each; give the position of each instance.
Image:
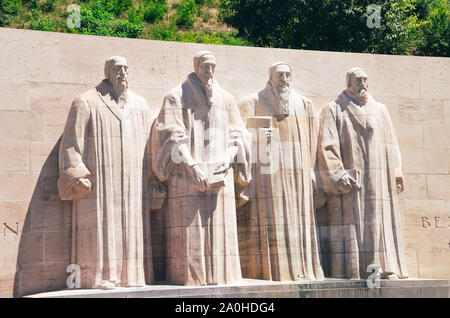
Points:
(101, 159)
(360, 165)
(279, 231)
(200, 146)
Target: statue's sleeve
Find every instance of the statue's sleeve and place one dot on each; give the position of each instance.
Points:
(71, 165)
(168, 131)
(329, 161)
(313, 123)
(239, 140)
(246, 108)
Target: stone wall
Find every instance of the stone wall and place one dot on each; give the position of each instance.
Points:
(42, 72)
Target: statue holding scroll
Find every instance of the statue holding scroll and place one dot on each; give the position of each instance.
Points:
(200, 146)
(278, 231)
(360, 165)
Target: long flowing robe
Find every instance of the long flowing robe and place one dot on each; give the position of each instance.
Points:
(108, 145)
(279, 231)
(202, 245)
(364, 225)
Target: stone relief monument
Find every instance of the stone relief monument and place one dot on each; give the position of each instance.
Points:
(101, 161)
(264, 197)
(279, 227)
(361, 168)
(202, 154)
(200, 147)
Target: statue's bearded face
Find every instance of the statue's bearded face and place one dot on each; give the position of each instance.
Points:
(118, 74)
(359, 86)
(205, 73)
(281, 80)
(205, 69)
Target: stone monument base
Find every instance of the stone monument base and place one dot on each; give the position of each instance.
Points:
(329, 288)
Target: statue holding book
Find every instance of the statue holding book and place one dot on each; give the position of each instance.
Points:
(361, 168)
(277, 228)
(200, 149)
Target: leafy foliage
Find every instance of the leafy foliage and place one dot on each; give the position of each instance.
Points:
(336, 25)
(8, 8)
(185, 12)
(418, 27)
(154, 10)
(436, 29)
(126, 29)
(48, 5)
(44, 24)
(169, 33)
(153, 19)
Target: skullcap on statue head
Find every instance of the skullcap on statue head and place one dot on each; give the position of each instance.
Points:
(199, 55)
(274, 66)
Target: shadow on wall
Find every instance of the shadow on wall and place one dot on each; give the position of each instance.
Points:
(45, 242)
(44, 249)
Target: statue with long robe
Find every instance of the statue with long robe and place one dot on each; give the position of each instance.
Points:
(278, 234)
(361, 169)
(103, 158)
(201, 150)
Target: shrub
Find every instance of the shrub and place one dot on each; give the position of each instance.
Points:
(44, 24)
(48, 5)
(96, 21)
(163, 32)
(33, 4)
(135, 14)
(185, 13)
(209, 38)
(126, 29)
(435, 32)
(154, 10)
(8, 8)
(206, 16)
(112, 6)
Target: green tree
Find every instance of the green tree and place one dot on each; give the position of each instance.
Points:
(331, 25)
(434, 35)
(8, 8)
(185, 12)
(154, 10)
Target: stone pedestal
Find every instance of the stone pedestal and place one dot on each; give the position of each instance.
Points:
(330, 288)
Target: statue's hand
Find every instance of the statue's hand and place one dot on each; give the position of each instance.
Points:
(83, 186)
(157, 186)
(400, 185)
(200, 178)
(223, 166)
(347, 184)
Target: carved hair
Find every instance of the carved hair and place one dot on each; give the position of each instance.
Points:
(352, 72)
(109, 63)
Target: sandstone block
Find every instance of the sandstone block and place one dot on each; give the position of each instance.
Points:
(434, 78)
(15, 126)
(395, 76)
(436, 136)
(15, 95)
(438, 187)
(19, 186)
(15, 155)
(57, 246)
